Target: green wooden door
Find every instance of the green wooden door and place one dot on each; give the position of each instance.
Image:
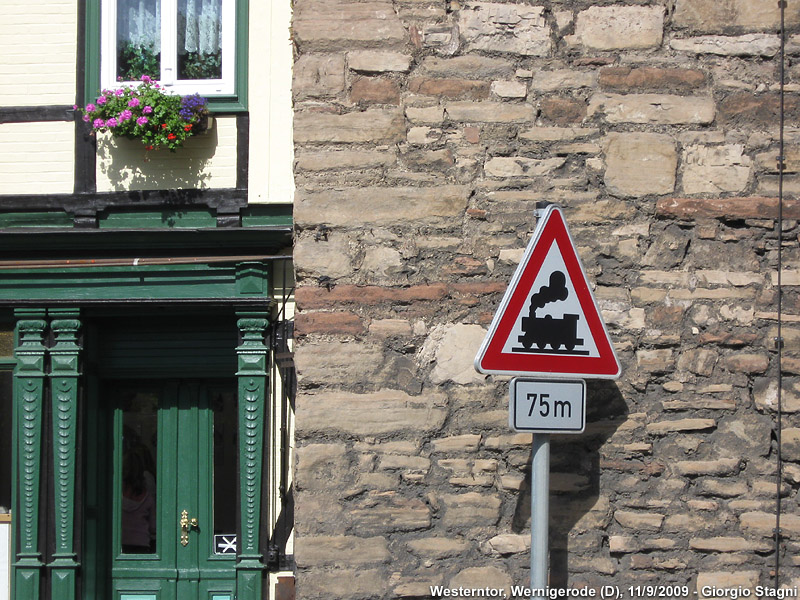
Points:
(173, 449)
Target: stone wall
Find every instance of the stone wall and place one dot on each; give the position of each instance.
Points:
(425, 133)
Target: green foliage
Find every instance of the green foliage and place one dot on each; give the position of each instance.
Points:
(147, 113)
(134, 61)
(198, 65)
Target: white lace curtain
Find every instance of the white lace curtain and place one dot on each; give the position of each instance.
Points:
(199, 24)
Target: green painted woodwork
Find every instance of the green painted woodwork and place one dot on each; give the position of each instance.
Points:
(194, 281)
(138, 597)
(64, 400)
(28, 409)
(35, 219)
(173, 218)
(252, 356)
(184, 465)
(234, 103)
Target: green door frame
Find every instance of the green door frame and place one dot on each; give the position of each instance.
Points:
(238, 284)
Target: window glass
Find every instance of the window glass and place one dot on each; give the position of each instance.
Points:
(138, 39)
(5, 440)
(199, 39)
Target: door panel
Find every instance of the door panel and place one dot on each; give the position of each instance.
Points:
(173, 442)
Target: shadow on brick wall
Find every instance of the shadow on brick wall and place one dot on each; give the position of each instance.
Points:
(578, 515)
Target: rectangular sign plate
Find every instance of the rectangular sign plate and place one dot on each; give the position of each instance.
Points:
(547, 405)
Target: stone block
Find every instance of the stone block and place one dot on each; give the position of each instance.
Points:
(699, 361)
(508, 28)
(357, 207)
(639, 521)
(450, 88)
(318, 76)
(507, 543)
(563, 111)
(328, 323)
(765, 394)
(376, 126)
(757, 110)
(387, 512)
(710, 584)
(509, 89)
(343, 25)
(319, 465)
(438, 547)
(562, 79)
(457, 443)
(374, 90)
(718, 16)
(749, 363)
(715, 169)
(667, 427)
(375, 413)
(313, 551)
(630, 79)
(619, 27)
(350, 584)
(470, 66)
(790, 438)
(376, 61)
(638, 164)
(518, 166)
(718, 468)
(653, 109)
(342, 160)
(655, 361)
(452, 351)
(471, 509)
(752, 44)
(336, 362)
(329, 257)
(477, 578)
(490, 112)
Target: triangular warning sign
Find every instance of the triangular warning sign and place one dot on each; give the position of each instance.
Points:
(548, 322)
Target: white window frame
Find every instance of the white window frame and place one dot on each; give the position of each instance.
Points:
(169, 55)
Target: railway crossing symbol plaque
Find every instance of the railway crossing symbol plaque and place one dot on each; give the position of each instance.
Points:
(548, 322)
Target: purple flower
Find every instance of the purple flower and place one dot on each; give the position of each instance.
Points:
(133, 102)
(119, 92)
(98, 123)
(112, 122)
(125, 115)
(86, 118)
(74, 107)
(142, 121)
(146, 78)
(102, 100)
(147, 110)
(90, 107)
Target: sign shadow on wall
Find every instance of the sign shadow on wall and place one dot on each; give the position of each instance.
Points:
(578, 516)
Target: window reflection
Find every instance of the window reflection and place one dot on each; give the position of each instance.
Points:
(139, 447)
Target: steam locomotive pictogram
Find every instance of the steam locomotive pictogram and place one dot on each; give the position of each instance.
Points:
(548, 331)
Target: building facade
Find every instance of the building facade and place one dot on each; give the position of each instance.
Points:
(426, 132)
(146, 304)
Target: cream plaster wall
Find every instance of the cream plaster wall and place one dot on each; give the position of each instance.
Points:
(36, 158)
(205, 161)
(38, 49)
(270, 103)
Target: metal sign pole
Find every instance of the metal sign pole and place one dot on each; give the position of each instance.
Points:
(540, 510)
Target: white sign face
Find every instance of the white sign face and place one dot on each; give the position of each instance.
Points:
(547, 406)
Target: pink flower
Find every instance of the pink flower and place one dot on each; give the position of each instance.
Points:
(142, 121)
(74, 107)
(125, 115)
(133, 102)
(146, 78)
(112, 122)
(102, 100)
(147, 110)
(98, 123)
(119, 92)
(86, 118)
(90, 107)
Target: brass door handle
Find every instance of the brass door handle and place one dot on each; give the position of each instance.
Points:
(186, 523)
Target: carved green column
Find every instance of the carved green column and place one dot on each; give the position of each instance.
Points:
(64, 398)
(252, 378)
(28, 401)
